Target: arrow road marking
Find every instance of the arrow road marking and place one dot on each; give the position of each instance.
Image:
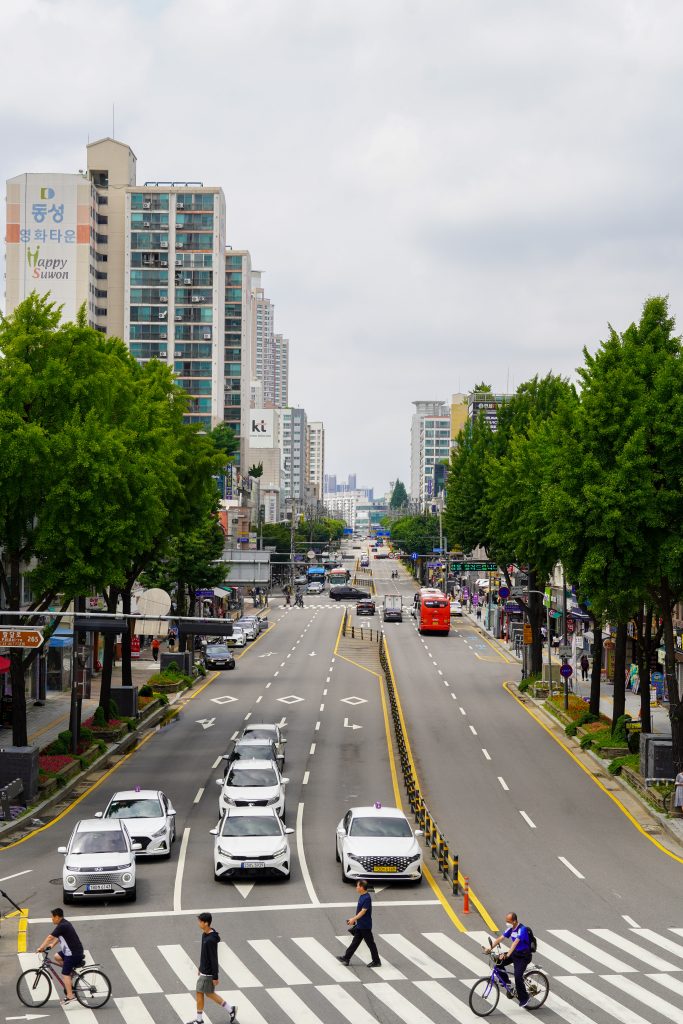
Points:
(347, 726)
(312, 654)
(205, 723)
(268, 655)
(283, 722)
(243, 888)
(225, 699)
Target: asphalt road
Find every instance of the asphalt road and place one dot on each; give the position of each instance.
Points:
(281, 937)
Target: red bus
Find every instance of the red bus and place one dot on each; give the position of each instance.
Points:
(434, 612)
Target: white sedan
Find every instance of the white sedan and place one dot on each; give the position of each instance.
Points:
(252, 784)
(456, 607)
(252, 841)
(237, 639)
(374, 841)
(315, 587)
(149, 816)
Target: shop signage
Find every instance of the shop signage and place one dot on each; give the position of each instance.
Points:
(474, 567)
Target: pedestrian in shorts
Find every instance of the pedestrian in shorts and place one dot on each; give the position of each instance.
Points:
(207, 972)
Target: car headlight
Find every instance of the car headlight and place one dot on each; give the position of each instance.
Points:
(352, 856)
(127, 878)
(225, 853)
(160, 833)
(281, 852)
(273, 800)
(70, 880)
(229, 799)
(411, 860)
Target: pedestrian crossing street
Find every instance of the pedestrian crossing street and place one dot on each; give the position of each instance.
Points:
(633, 976)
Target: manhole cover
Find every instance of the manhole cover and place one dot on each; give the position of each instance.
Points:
(55, 881)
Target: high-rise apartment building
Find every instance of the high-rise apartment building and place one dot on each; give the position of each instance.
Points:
(238, 324)
(329, 483)
(280, 385)
(270, 351)
(294, 454)
(430, 443)
(316, 457)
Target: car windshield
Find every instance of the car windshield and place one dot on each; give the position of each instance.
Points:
(142, 808)
(253, 752)
(99, 842)
(260, 733)
(251, 777)
(216, 650)
(393, 828)
(244, 826)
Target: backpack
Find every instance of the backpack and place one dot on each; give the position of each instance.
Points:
(533, 945)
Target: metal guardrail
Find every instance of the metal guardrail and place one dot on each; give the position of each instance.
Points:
(435, 840)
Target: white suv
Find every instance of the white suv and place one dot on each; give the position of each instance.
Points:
(99, 861)
(252, 784)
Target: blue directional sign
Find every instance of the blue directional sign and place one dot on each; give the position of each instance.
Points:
(566, 671)
(414, 556)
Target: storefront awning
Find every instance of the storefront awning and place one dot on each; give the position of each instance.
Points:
(577, 613)
(218, 592)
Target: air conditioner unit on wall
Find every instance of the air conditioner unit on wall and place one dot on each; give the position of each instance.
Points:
(163, 244)
(207, 335)
(147, 204)
(163, 263)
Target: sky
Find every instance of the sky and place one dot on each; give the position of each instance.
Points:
(439, 192)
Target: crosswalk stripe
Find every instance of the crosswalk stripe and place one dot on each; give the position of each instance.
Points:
(659, 940)
(181, 964)
(133, 1010)
(398, 1003)
(634, 950)
(246, 1011)
(136, 970)
(83, 1014)
(453, 949)
(565, 1010)
(567, 963)
(347, 1006)
(673, 984)
(590, 950)
(387, 972)
(294, 1006)
(282, 965)
(643, 995)
(416, 956)
(325, 960)
(578, 986)
(185, 1005)
(446, 1000)
(239, 973)
(509, 1007)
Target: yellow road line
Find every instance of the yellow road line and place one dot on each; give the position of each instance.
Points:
(576, 760)
(22, 931)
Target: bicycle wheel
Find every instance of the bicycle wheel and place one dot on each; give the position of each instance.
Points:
(34, 987)
(538, 986)
(484, 996)
(92, 988)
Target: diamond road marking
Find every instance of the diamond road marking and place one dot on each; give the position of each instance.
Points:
(292, 699)
(353, 700)
(226, 699)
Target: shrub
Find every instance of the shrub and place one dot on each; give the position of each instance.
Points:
(586, 718)
(113, 709)
(628, 761)
(56, 748)
(570, 729)
(145, 691)
(173, 668)
(86, 734)
(98, 718)
(619, 730)
(130, 722)
(161, 697)
(66, 738)
(586, 742)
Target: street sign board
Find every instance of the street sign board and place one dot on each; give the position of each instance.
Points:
(27, 638)
(564, 652)
(527, 633)
(566, 671)
(503, 591)
(473, 567)
(414, 556)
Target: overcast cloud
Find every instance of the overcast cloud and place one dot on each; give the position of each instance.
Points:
(438, 191)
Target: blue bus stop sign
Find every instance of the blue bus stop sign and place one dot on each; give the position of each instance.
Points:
(566, 671)
(504, 591)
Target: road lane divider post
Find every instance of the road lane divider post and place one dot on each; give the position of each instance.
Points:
(456, 873)
(466, 900)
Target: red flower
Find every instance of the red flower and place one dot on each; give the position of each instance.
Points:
(51, 763)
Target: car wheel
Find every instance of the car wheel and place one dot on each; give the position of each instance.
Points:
(67, 898)
(231, 666)
(336, 854)
(132, 894)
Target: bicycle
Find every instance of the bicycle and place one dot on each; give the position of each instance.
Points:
(485, 992)
(91, 986)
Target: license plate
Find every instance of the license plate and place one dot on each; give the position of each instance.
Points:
(98, 888)
(384, 867)
(249, 864)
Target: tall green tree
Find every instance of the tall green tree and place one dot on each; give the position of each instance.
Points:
(399, 496)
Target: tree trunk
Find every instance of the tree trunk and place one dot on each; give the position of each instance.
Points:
(108, 657)
(644, 649)
(126, 666)
(19, 730)
(594, 705)
(675, 705)
(619, 692)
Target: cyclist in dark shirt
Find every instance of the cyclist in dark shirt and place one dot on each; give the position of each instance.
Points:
(519, 954)
(70, 948)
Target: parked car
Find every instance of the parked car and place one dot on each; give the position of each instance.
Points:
(149, 817)
(238, 638)
(218, 656)
(249, 626)
(251, 841)
(252, 784)
(378, 841)
(346, 592)
(99, 861)
(365, 607)
(301, 580)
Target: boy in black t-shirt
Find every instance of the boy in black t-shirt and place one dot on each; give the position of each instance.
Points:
(70, 948)
(207, 972)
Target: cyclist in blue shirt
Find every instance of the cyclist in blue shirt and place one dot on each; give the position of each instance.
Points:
(519, 954)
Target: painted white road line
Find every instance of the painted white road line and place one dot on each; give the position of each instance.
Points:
(567, 963)
(387, 972)
(322, 707)
(629, 921)
(136, 970)
(312, 750)
(416, 956)
(673, 984)
(234, 735)
(581, 945)
(278, 962)
(178, 884)
(453, 949)
(181, 964)
(462, 710)
(568, 864)
(305, 778)
(453, 695)
(282, 664)
(268, 685)
(486, 753)
(325, 960)
(324, 693)
(527, 819)
(473, 730)
(302, 856)
(633, 949)
(132, 1009)
(216, 762)
(402, 1007)
(247, 716)
(503, 783)
(446, 683)
(643, 995)
(440, 672)
(239, 973)
(293, 1005)
(454, 1007)
(259, 698)
(199, 795)
(346, 1005)
(317, 726)
(660, 940)
(289, 655)
(8, 877)
(566, 1011)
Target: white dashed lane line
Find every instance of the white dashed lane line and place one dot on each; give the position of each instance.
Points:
(317, 726)
(198, 796)
(247, 716)
(453, 695)
(527, 819)
(503, 783)
(473, 730)
(462, 710)
(305, 780)
(260, 698)
(486, 753)
(571, 867)
(311, 752)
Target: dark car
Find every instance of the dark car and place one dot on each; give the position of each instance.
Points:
(254, 750)
(347, 593)
(218, 656)
(365, 607)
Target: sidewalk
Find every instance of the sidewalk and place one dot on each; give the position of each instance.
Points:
(660, 715)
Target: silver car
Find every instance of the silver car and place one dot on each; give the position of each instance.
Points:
(99, 861)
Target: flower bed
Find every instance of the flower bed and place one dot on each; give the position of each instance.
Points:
(61, 767)
(111, 732)
(148, 705)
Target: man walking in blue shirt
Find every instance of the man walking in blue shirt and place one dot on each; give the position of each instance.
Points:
(519, 954)
(361, 923)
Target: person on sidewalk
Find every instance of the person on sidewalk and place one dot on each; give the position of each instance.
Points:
(519, 954)
(585, 665)
(678, 793)
(207, 972)
(155, 648)
(361, 927)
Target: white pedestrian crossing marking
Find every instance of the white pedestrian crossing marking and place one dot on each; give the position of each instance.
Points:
(509, 1007)
(347, 1006)
(325, 960)
(387, 972)
(587, 948)
(623, 1014)
(402, 1007)
(239, 973)
(643, 995)
(463, 956)
(446, 1000)
(634, 950)
(136, 970)
(416, 956)
(276, 959)
(294, 1006)
(133, 1010)
(185, 1005)
(659, 940)
(181, 964)
(673, 984)
(566, 1011)
(79, 1013)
